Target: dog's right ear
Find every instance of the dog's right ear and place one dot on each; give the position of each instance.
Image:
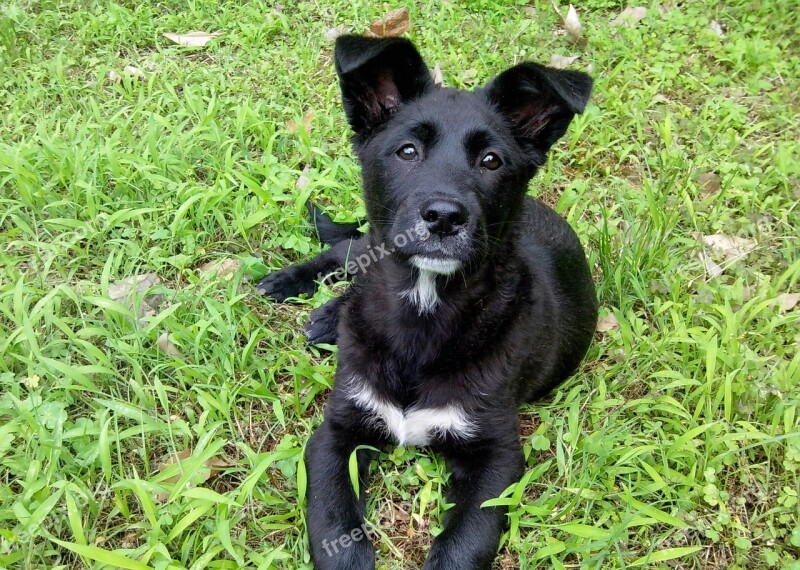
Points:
(539, 102)
(376, 77)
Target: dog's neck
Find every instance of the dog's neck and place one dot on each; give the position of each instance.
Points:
(420, 318)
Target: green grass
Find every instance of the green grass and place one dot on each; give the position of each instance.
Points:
(676, 446)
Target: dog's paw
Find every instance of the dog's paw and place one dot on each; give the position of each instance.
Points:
(322, 324)
(289, 282)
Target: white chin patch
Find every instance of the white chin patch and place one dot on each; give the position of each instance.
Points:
(423, 294)
(438, 266)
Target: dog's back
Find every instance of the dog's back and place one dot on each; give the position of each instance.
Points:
(556, 258)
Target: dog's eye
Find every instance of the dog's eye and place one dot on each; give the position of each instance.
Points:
(491, 161)
(408, 152)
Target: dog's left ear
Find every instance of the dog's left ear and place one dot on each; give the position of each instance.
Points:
(376, 77)
(540, 102)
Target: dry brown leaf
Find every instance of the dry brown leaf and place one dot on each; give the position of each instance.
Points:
(731, 247)
(562, 61)
(395, 24)
(166, 346)
(787, 301)
(305, 124)
(629, 17)
(709, 183)
(303, 180)
(122, 292)
(221, 267)
(436, 74)
(130, 540)
(712, 268)
(571, 22)
(216, 466)
(176, 458)
(334, 33)
(193, 39)
(607, 323)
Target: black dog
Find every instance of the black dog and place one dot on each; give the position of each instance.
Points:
(470, 297)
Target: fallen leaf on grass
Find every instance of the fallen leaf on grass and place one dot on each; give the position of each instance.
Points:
(130, 540)
(571, 22)
(731, 247)
(562, 61)
(130, 72)
(436, 74)
(334, 33)
(629, 17)
(709, 183)
(607, 323)
(303, 180)
(787, 301)
(712, 268)
(122, 292)
(716, 27)
(305, 124)
(192, 39)
(135, 73)
(395, 24)
(221, 267)
(166, 346)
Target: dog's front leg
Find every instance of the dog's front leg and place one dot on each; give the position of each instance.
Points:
(343, 260)
(471, 535)
(323, 322)
(335, 515)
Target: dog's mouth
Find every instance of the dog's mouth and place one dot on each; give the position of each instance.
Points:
(434, 253)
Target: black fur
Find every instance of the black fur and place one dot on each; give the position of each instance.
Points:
(511, 323)
(329, 231)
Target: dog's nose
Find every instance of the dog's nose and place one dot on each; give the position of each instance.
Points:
(443, 217)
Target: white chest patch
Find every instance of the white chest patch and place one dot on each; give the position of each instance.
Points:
(413, 426)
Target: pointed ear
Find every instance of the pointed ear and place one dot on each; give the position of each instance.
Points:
(376, 77)
(540, 102)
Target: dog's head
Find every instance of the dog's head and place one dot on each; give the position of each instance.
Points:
(445, 171)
